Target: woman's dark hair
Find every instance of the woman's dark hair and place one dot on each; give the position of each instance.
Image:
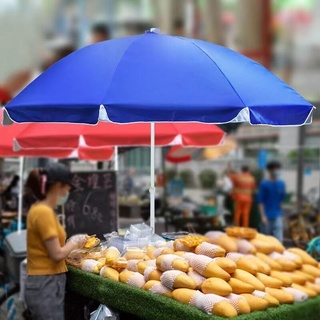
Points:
(32, 189)
(36, 187)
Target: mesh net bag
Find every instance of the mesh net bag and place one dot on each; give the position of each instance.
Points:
(132, 265)
(214, 235)
(207, 301)
(290, 256)
(196, 277)
(275, 255)
(169, 245)
(136, 280)
(168, 278)
(259, 294)
(210, 250)
(189, 256)
(200, 262)
(179, 246)
(159, 288)
(158, 252)
(234, 256)
(244, 246)
(193, 301)
(90, 265)
(298, 295)
(147, 272)
(160, 244)
(234, 300)
(166, 263)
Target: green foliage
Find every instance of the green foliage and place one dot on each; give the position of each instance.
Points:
(308, 154)
(187, 177)
(208, 179)
(258, 175)
(170, 174)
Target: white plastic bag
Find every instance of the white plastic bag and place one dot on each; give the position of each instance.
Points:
(103, 313)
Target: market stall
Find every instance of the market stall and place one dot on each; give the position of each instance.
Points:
(151, 306)
(234, 274)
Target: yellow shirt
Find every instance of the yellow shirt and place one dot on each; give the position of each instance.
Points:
(42, 224)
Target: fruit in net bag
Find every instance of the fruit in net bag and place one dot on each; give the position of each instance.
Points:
(281, 295)
(110, 273)
(167, 262)
(255, 303)
(243, 262)
(216, 286)
(285, 279)
(269, 281)
(187, 296)
(248, 278)
(273, 302)
(240, 303)
(306, 257)
(210, 250)
(134, 279)
(217, 305)
(111, 255)
(175, 279)
(223, 240)
(208, 268)
(157, 287)
(239, 286)
(91, 242)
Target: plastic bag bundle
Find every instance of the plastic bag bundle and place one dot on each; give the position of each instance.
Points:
(103, 313)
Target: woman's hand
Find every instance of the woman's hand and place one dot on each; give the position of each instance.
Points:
(78, 240)
(264, 220)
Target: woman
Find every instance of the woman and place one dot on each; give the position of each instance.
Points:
(46, 247)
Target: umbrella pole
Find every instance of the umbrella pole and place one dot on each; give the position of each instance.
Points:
(116, 159)
(21, 163)
(116, 169)
(152, 176)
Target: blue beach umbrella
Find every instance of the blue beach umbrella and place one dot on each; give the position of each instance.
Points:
(158, 78)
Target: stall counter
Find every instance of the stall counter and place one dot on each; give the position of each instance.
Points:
(150, 306)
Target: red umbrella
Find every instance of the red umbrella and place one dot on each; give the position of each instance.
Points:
(179, 154)
(110, 134)
(7, 135)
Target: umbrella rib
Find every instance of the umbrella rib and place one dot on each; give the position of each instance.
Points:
(233, 88)
(115, 70)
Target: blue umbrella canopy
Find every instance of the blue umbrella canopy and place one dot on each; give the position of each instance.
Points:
(158, 78)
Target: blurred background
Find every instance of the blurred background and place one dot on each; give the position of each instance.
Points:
(280, 34)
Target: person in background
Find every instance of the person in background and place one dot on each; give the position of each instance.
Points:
(272, 192)
(46, 246)
(225, 187)
(99, 32)
(11, 193)
(20, 79)
(128, 182)
(178, 28)
(244, 185)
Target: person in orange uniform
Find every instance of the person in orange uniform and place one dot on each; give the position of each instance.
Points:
(46, 242)
(244, 186)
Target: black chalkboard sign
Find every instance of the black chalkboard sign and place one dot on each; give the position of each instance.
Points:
(92, 206)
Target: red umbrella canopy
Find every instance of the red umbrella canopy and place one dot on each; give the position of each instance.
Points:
(7, 135)
(179, 154)
(110, 134)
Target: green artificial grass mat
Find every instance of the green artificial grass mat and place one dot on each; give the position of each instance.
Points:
(151, 306)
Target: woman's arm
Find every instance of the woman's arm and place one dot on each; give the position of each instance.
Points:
(56, 252)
